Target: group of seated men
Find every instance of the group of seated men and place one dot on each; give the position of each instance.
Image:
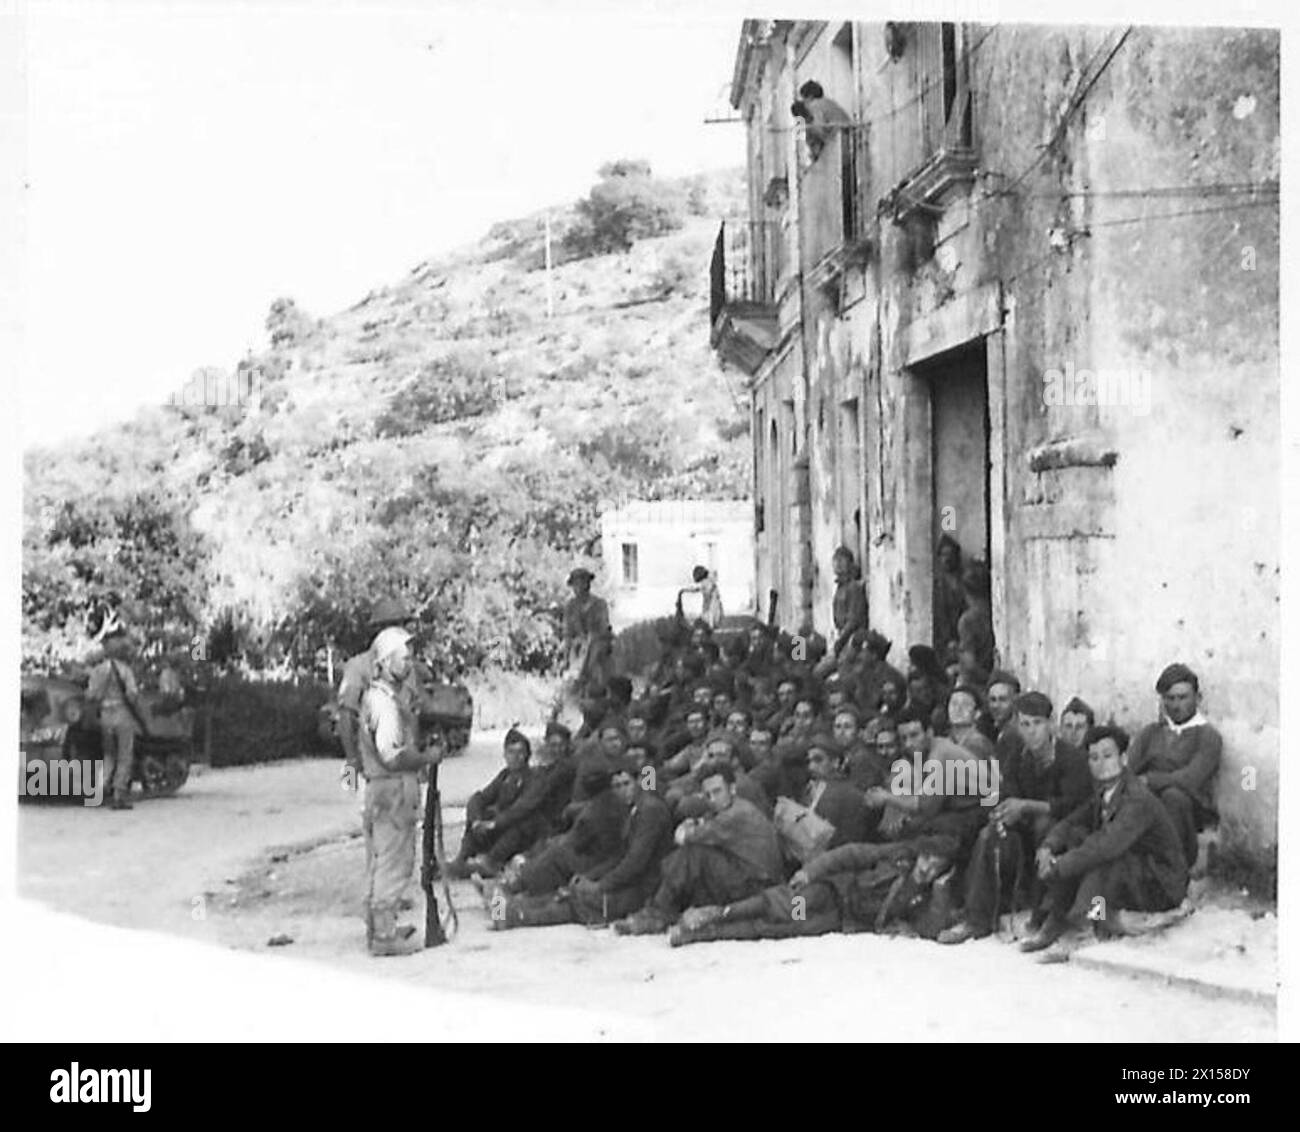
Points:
(943, 802)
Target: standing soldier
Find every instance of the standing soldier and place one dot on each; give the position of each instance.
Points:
(357, 676)
(113, 687)
(391, 760)
(586, 634)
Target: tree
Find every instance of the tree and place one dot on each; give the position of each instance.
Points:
(286, 324)
(626, 205)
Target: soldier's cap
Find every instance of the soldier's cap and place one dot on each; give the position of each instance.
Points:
(515, 736)
(1177, 674)
(391, 641)
(925, 659)
(1035, 704)
(971, 689)
(1002, 676)
(579, 572)
(388, 612)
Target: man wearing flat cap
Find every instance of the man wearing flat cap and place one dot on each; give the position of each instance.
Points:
(1178, 757)
(586, 633)
(1041, 781)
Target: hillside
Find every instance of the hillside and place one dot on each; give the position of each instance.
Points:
(443, 440)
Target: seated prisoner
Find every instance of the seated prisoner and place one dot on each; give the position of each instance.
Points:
(610, 889)
(487, 805)
(536, 813)
(1039, 784)
(595, 838)
(731, 854)
(1118, 850)
(853, 888)
(1177, 759)
(832, 797)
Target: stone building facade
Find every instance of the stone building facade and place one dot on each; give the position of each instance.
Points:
(1026, 296)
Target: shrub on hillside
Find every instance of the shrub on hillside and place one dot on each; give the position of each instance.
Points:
(626, 205)
(448, 389)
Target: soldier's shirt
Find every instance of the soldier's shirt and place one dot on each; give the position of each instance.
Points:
(585, 617)
(387, 729)
(106, 689)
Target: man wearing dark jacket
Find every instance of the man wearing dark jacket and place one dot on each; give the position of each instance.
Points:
(721, 859)
(1178, 757)
(486, 806)
(611, 888)
(831, 797)
(595, 839)
(1118, 850)
(534, 815)
(1040, 783)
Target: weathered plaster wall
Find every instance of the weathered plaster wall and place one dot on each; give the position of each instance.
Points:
(1126, 535)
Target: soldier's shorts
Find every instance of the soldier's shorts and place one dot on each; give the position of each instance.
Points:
(391, 808)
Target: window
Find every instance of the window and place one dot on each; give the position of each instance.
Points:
(629, 564)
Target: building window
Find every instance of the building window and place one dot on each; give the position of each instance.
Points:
(629, 564)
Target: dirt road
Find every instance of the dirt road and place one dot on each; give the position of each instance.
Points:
(244, 855)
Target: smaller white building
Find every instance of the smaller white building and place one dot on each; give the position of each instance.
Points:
(650, 548)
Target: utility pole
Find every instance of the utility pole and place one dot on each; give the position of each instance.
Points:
(550, 290)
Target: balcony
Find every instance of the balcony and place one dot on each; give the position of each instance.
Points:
(742, 294)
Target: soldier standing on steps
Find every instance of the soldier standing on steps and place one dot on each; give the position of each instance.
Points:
(391, 760)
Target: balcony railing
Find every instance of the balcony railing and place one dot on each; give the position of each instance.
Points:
(742, 290)
(744, 268)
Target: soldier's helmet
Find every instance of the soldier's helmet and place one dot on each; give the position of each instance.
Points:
(388, 612)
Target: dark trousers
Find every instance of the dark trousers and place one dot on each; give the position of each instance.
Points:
(498, 848)
(698, 875)
(1189, 818)
(1125, 883)
(1000, 876)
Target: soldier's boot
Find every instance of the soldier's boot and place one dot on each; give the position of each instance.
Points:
(531, 912)
(387, 940)
(121, 801)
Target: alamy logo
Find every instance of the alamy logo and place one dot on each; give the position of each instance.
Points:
(1108, 388)
(947, 778)
(63, 778)
(101, 1086)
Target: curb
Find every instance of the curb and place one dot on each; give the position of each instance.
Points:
(1248, 995)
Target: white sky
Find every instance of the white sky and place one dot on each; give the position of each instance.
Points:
(187, 163)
